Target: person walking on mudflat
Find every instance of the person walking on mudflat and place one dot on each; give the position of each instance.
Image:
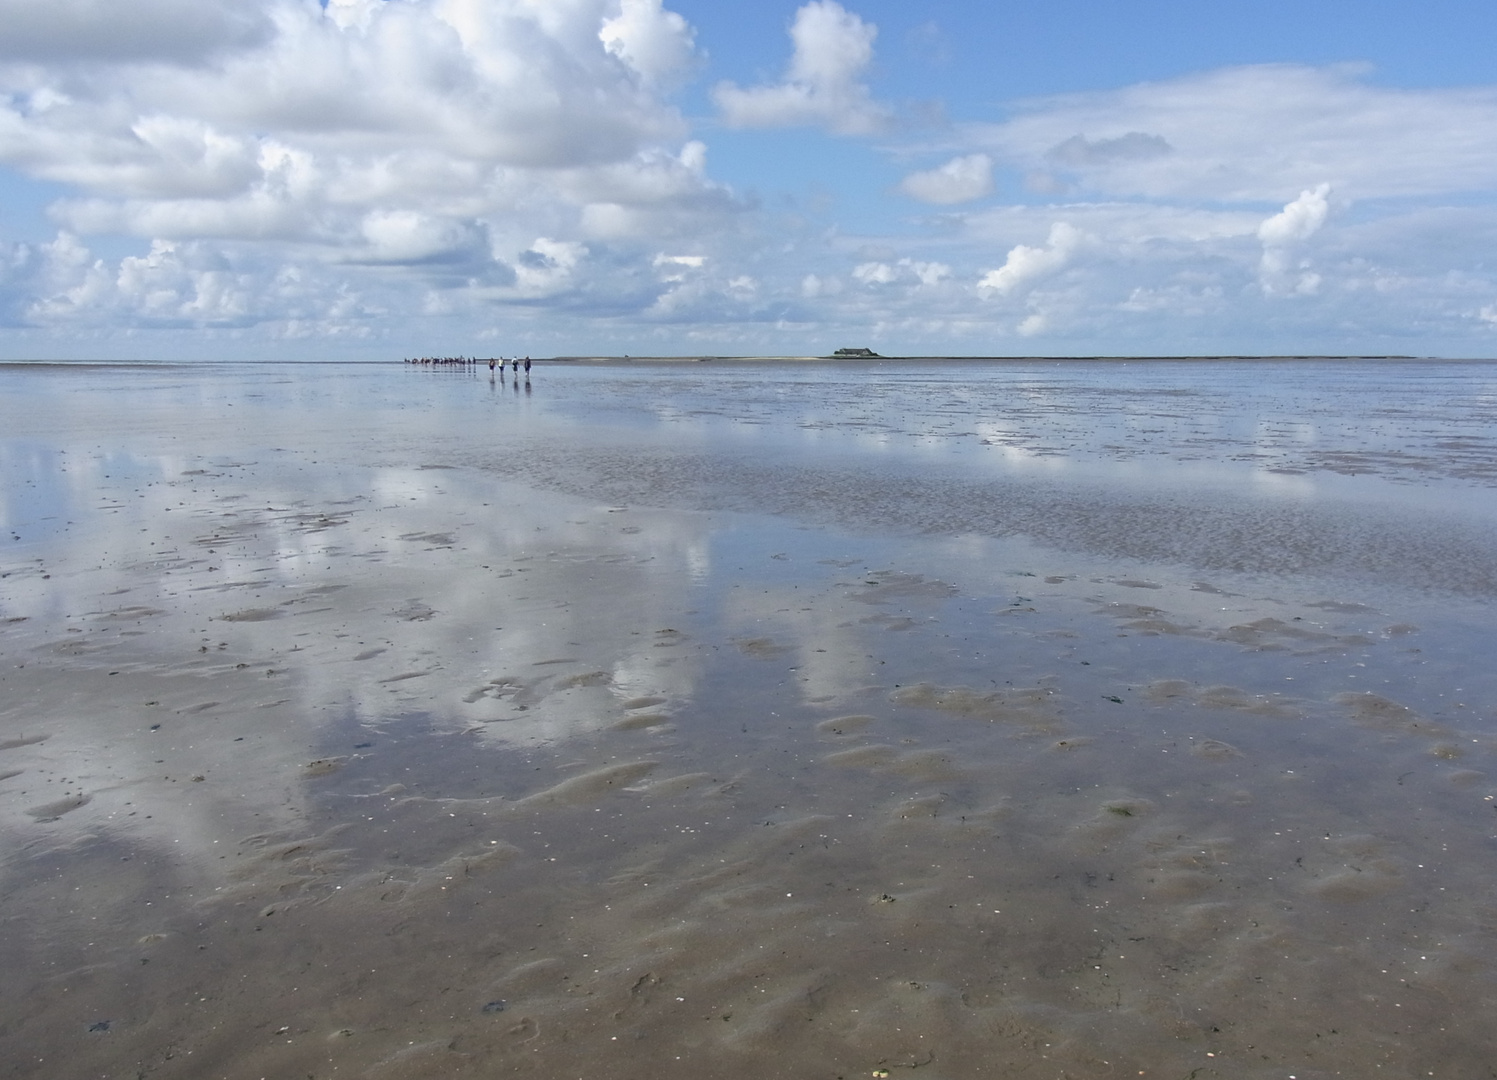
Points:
(527, 367)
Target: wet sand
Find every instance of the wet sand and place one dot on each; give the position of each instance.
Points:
(680, 723)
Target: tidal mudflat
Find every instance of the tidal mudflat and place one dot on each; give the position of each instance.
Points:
(962, 720)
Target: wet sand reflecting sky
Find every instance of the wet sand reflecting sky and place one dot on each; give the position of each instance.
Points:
(993, 720)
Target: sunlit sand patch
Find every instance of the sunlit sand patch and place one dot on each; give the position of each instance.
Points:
(421, 884)
(641, 721)
(883, 586)
(1214, 750)
(889, 622)
(127, 614)
(1224, 697)
(1232, 697)
(436, 539)
(1034, 709)
(1272, 633)
(760, 648)
(673, 786)
(1109, 822)
(1354, 868)
(531, 979)
(519, 692)
(279, 869)
(1266, 634)
(589, 786)
(403, 677)
(414, 611)
(645, 702)
(914, 764)
(1159, 626)
(589, 678)
(1342, 607)
(1168, 689)
(77, 647)
(921, 806)
(1374, 711)
(437, 1057)
(1183, 868)
(844, 725)
(1114, 810)
(1119, 610)
(57, 808)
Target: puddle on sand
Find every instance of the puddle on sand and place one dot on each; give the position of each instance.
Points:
(371, 779)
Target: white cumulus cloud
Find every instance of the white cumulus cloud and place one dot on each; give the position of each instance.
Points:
(929, 274)
(170, 286)
(545, 266)
(824, 86)
(438, 135)
(423, 98)
(1299, 220)
(407, 236)
(1032, 325)
(960, 180)
(1026, 264)
(1282, 235)
(451, 170)
(658, 44)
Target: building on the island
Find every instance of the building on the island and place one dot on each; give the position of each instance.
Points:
(854, 354)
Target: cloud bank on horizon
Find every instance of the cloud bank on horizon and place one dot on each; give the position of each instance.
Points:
(288, 177)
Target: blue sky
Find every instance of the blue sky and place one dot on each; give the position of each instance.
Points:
(379, 178)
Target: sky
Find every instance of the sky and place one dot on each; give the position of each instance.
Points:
(374, 179)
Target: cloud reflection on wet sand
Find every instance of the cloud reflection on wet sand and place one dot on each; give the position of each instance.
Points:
(324, 759)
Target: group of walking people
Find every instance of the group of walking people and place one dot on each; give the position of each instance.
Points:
(473, 362)
(516, 362)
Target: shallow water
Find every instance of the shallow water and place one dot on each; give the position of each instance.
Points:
(1008, 720)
